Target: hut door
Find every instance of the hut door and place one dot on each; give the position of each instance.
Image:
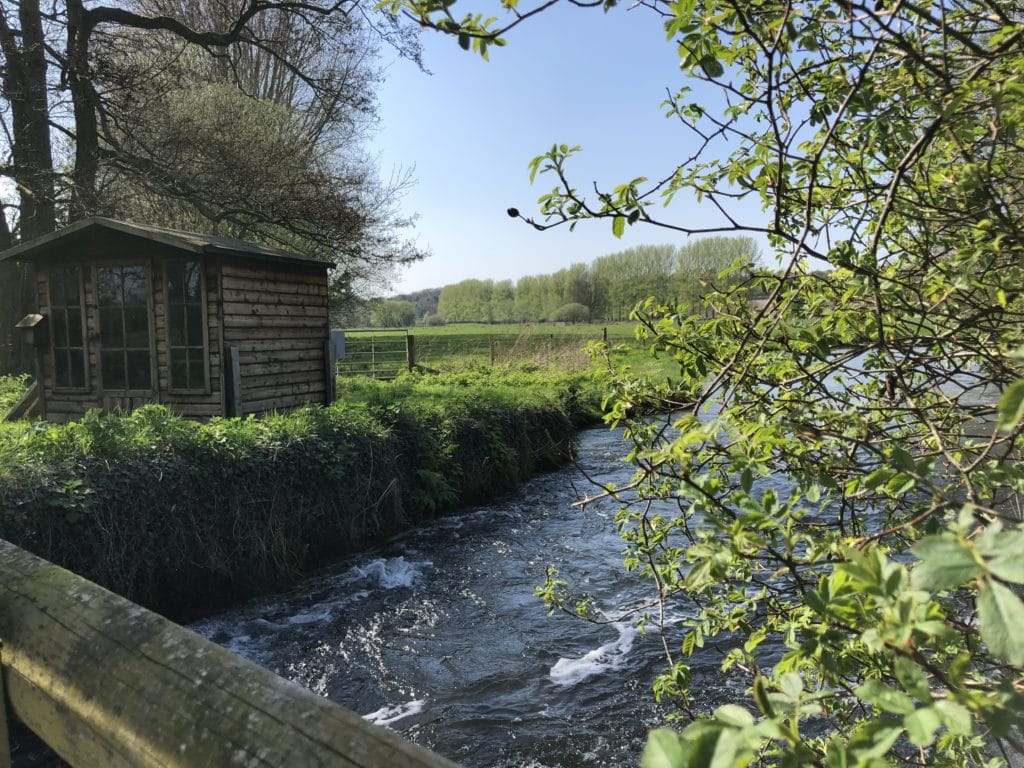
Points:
(125, 333)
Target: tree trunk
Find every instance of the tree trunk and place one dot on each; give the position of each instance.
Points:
(25, 89)
(84, 102)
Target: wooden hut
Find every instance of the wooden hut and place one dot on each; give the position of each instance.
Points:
(209, 326)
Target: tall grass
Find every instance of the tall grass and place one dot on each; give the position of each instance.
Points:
(12, 388)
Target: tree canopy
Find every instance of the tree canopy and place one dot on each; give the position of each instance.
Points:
(836, 504)
(245, 119)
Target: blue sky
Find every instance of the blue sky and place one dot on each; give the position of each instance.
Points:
(470, 128)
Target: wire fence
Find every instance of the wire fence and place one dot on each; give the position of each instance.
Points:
(384, 353)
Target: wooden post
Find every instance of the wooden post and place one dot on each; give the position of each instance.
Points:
(330, 373)
(233, 381)
(604, 334)
(5, 736)
(410, 350)
(105, 682)
(490, 344)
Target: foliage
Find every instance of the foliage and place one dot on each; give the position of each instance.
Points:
(11, 390)
(425, 301)
(609, 287)
(168, 110)
(182, 516)
(392, 314)
(570, 313)
(839, 511)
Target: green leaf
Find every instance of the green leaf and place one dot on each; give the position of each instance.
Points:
(880, 695)
(913, 679)
(664, 749)
(1001, 614)
(956, 717)
(1011, 405)
(618, 225)
(921, 726)
(946, 562)
(1003, 552)
(734, 715)
(711, 66)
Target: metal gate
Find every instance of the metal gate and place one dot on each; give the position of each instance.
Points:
(381, 353)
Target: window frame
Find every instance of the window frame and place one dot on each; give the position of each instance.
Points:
(151, 321)
(83, 317)
(206, 388)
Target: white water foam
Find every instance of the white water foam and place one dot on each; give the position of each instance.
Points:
(609, 656)
(390, 573)
(388, 715)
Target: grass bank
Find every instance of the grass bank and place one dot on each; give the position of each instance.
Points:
(183, 517)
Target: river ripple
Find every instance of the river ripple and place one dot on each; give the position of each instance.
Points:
(437, 635)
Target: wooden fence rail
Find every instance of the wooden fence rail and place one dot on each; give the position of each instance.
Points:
(105, 682)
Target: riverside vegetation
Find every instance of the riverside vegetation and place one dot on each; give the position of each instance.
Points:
(182, 516)
(839, 510)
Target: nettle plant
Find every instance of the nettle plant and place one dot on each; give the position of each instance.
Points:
(839, 507)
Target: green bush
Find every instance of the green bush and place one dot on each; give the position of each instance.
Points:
(11, 390)
(182, 516)
(570, 313)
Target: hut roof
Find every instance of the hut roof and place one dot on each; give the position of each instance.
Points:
(191, 242)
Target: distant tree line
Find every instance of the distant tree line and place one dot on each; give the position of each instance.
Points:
(605, 290)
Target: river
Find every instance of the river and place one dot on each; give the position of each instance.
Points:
(437, 634)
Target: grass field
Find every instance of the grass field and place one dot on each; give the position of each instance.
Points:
(457, 346)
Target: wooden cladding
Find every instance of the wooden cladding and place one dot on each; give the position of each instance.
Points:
(126, 331)
(276, 318)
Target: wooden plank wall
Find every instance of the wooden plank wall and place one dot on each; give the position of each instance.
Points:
(276, 314)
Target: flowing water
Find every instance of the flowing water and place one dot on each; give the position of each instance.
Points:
(437, 633)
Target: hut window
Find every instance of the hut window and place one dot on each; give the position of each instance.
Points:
(66, 318)
(185, 324)
(124, 327)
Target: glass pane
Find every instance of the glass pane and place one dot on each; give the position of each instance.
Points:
(113, 370)
(57, 279)
(136, 322)
(77, 368)
(111, 331)
(61, 369)
(196, 370)
(195, 325)
(176, 321)
(175, 282)
(138, 370)
(135, 288)
(108, 285)
(74, 316)
(60, 330)
(179, 369)
(193, 283)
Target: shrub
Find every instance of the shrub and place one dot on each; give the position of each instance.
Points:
(570, 313)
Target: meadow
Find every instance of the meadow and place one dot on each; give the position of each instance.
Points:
(458, 346)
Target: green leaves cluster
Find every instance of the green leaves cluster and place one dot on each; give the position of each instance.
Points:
(839, 509)
(183, 517)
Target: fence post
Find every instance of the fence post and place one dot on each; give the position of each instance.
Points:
(233, 381)
(490, 345)
(604, 334)
(330, 373)
(410, 350)
(5, 738)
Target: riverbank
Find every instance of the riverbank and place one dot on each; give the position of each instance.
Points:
(184, 517)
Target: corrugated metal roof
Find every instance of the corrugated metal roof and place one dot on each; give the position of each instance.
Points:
(191, 242)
